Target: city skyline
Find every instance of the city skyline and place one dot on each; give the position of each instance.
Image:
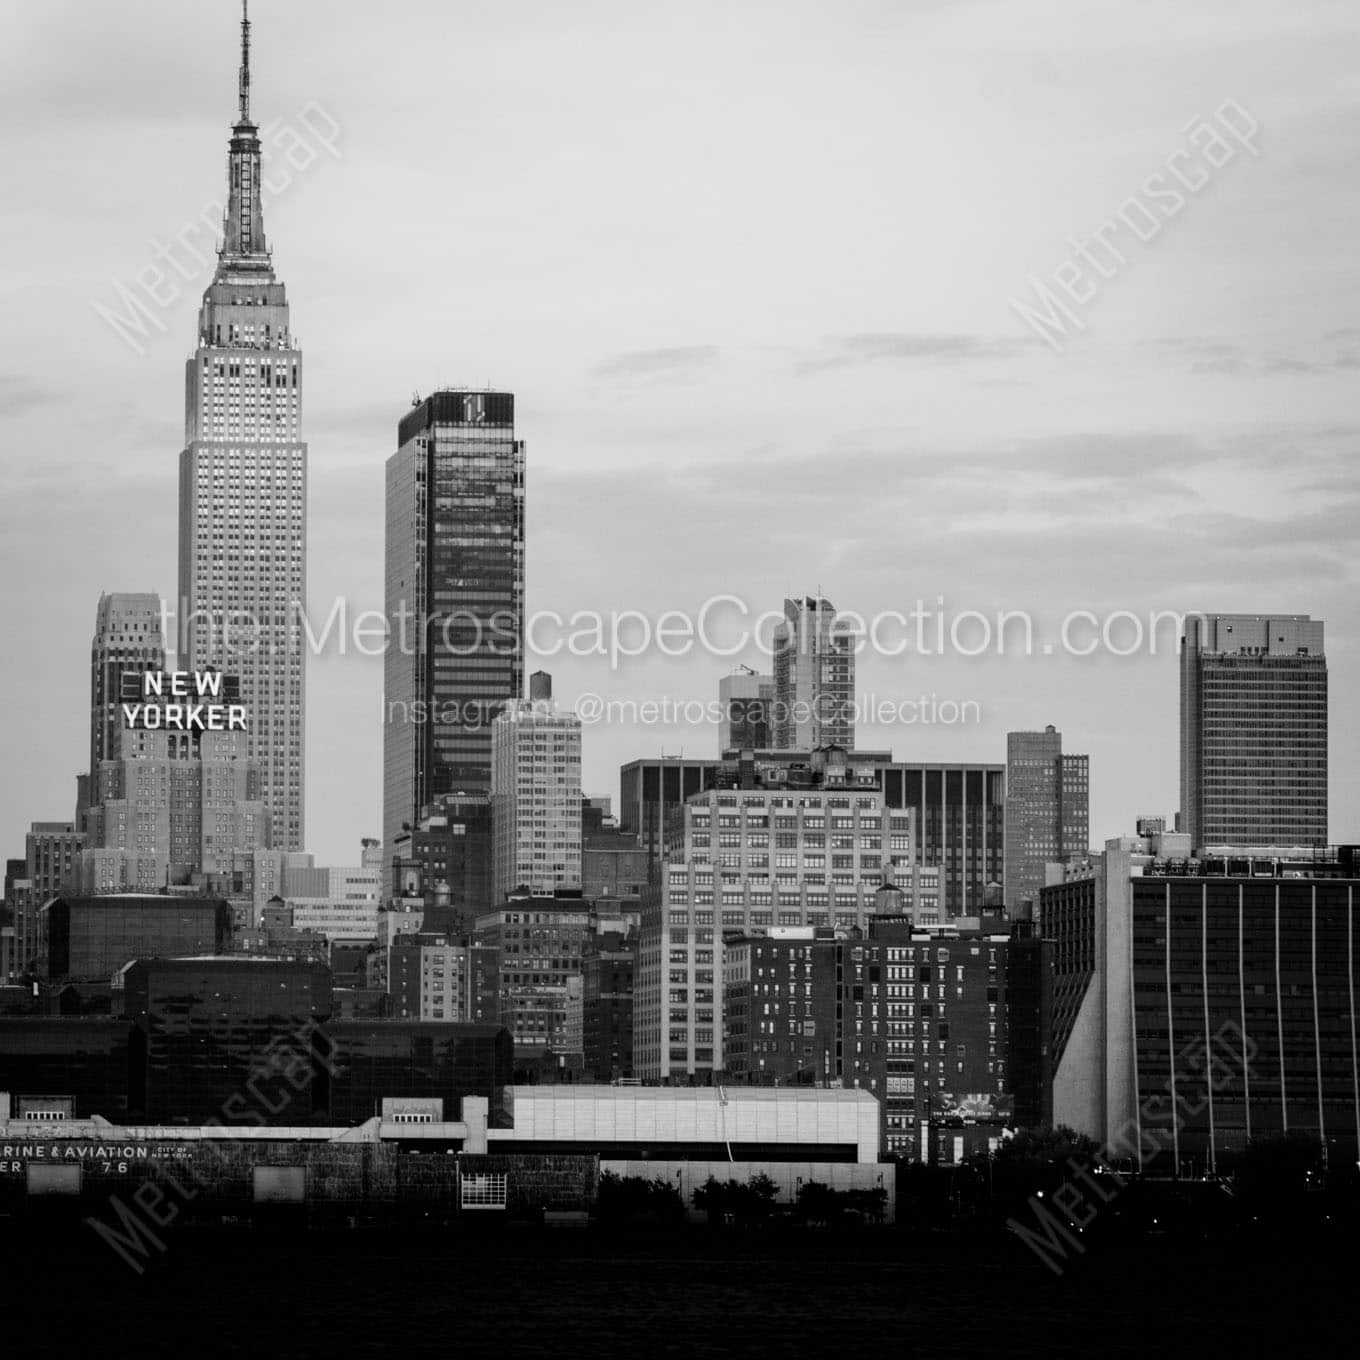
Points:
(473, 835)
(1173, 505)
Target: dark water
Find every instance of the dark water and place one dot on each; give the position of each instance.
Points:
(698, 1294)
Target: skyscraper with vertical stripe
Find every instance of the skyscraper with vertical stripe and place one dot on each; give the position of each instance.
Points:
(243, 488)
(455, 598)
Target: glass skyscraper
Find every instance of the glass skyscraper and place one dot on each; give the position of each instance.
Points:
(1253, 730)
(243, 489)
(1048, 816)
(454, 598)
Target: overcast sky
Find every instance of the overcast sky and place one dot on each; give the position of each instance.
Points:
(749, 270)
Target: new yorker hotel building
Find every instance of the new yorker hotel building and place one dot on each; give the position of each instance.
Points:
(243, 489)
(770, 846)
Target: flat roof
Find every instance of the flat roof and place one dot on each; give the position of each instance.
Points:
(675, 1094)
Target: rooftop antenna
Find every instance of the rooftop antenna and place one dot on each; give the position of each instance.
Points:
(244, 86)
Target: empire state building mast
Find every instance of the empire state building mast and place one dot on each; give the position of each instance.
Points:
(243, 487)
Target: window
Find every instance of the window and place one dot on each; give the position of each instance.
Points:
(483, 1191)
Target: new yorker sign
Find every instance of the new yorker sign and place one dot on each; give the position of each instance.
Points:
(183, 701)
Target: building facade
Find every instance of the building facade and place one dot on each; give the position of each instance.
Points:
(92, 938)
(607, 971)
(922, 1019)
(129, 639)
(1201, 1002)
(446, 859)
(339, 903)
(454, 597)
(1253, 730)
(958, 812)
(170, 808)
(530, 946)
(814, 678)
(536, 799)
(429, 978)
(746, 708)
(51, 865)
(243, 490)
(756, 852)
(1048, 816)
(613, 864)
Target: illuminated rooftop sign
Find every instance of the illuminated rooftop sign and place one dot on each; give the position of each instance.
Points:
(183, 701)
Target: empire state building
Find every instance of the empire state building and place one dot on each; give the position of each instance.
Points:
(243, 488)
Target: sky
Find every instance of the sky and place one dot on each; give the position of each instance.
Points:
(752, 272)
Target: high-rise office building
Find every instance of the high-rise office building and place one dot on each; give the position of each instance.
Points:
(454, 598)
(746, 707)
(243, 489)
(1048, 810)
(536, 798)
(1253, 730)
(129, 639)
(958, 811)
(754, 852)
(1202, 1001)
(814, 678)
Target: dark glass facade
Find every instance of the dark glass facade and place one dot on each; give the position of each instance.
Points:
(1069, 921)
(248, 1042)
(85, 1059)
(233, 1039)
(368, 1060)
(91, 938)
(455, 597)
(748, 724)
(1244, 1012)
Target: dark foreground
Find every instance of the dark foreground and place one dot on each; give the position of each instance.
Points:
(546, 1292)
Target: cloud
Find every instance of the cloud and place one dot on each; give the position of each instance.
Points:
(1336, 350)
(677, 363)
(19, 396)
(852, 351)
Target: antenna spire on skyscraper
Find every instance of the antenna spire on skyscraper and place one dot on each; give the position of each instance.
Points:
(245, 61)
